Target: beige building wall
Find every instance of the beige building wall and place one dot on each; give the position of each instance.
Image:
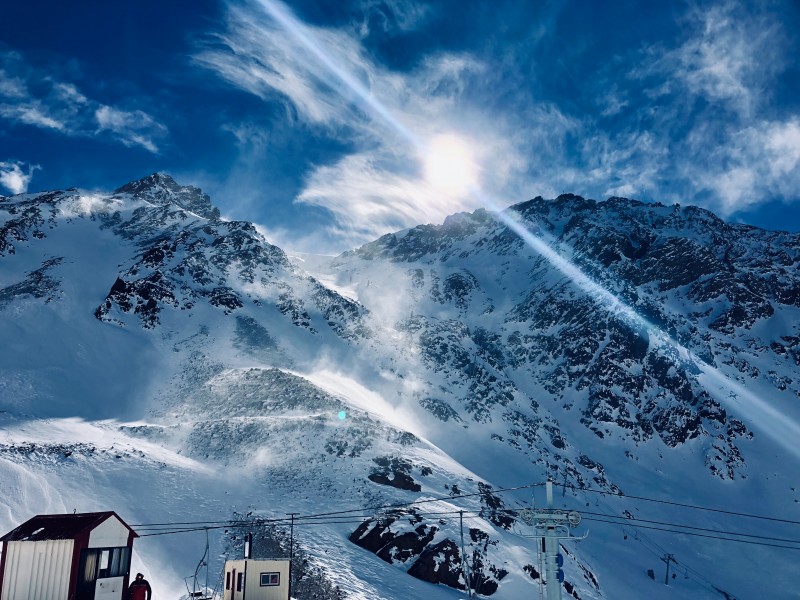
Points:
(252, 571)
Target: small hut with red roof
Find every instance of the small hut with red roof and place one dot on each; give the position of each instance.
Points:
(85, 556)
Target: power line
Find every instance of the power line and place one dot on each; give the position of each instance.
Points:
(348, 516)
(231, 523)
(682, 505)
(750, 535)
(696, 534)
(658, 550)
(665, 526)
(355, 516)
(345, 512)
(307, 520)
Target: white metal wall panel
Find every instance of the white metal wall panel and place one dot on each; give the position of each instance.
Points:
(37, 570)
(111, 533)
(109, 588)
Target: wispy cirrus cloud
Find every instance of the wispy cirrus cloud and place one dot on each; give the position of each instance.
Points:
(31, 97)
(326, 79)
(711, 110)
(687, 121)
(15, 175)
(757, 161)
(397, 15)
(728, 59)
(369, 199)
(132, 128)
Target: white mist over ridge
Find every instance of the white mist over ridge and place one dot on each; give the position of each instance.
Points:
(177, 367)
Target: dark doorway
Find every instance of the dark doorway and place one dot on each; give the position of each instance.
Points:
(87, 574)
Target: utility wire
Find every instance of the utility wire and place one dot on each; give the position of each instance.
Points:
(696, 534)
(353, 510)
(299, 520)
(750, 535)
(659, 551)
(607, 518)
(682, 505)
(308, 520)
(231, 523)
(350, 517)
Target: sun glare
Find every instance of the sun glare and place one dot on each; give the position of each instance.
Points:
(449, 164)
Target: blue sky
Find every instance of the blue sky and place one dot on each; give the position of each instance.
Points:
(329, 123)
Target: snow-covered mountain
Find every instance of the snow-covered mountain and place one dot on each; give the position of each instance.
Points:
(173, 366)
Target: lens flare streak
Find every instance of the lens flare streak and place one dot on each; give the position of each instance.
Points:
(781, 428)
(283, 17)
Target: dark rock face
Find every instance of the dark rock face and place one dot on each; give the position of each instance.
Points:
(500, 339)
(440, 563)
(185, 260)
(252, 336)
(394, 472)
(162, 189)
(27, 219)
(447, 347)
(343, 315)
(144, 297)
(402, 536)
(37, 284)
(494, 510)
(710, 286)
(440, 409)
(379, 538)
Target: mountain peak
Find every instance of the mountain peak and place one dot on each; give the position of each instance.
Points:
(160, 188)
(151, 182)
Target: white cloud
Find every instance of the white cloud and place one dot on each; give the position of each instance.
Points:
(712, 135)
(761, 161)
(728, 57)
(256, 55)
(15, 177)
(328, 80)
(69, 93)
(689, 123)
(369, 200)
(11, 87)
(400, 15)
(31, 114)
(60, 106)
(612, 104)
(733, 57)
(132, 128)
(742, 155)
(782, 143)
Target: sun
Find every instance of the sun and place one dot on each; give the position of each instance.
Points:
(450, 164)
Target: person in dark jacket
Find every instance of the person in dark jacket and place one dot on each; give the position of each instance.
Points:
(139, 589)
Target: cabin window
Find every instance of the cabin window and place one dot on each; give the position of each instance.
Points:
(120, 561)
(270, 579)
(239, 581)
(228, 580)
(112, 562)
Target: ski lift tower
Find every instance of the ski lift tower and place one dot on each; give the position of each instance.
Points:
(551, 525)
